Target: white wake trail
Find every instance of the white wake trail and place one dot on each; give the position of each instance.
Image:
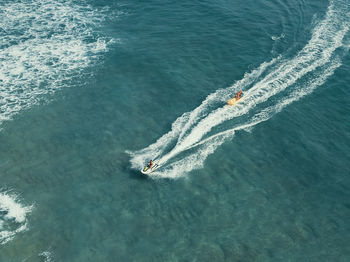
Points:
(183, 123)
(210, 144)
(222, 95)
(325, 40)
(311, 66)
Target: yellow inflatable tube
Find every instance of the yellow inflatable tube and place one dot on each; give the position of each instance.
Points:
(232, 101)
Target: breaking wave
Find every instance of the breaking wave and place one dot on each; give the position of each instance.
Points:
(44, 45)
(267, 90)
(13, 216)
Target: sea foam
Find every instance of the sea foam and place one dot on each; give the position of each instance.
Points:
(13, 216)
(45, 45)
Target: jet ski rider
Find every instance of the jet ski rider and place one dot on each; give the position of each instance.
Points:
(238, 95)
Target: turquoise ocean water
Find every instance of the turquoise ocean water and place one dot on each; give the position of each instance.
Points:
(91, 90)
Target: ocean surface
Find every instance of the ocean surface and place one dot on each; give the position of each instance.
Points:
(92, 90)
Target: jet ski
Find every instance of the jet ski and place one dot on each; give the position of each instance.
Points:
(148, 170)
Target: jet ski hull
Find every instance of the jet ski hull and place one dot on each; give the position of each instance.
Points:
(147, 171)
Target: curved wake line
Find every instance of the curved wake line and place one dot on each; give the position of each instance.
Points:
(222, 95)
(188, 119)
(209, 145)
(296, 77)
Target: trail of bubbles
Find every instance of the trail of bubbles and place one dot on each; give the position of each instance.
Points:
(139, 158)
(326, 38)
(315, 62)
(184, 122)
(222, 95)
(210, 144)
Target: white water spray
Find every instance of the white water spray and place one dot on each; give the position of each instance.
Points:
(290, 79)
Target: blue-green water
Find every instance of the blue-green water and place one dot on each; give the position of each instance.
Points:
(91, 90)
